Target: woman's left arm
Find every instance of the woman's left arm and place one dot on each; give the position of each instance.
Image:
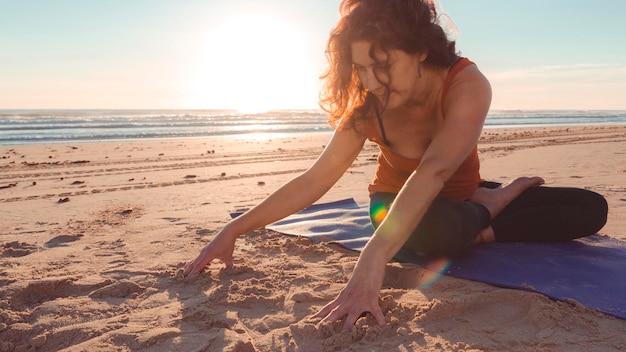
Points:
(466, 106)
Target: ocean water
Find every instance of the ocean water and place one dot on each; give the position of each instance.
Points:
(52, 126)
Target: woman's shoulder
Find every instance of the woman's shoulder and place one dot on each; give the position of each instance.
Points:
(464, 70)
(465, 85)
(464, 75)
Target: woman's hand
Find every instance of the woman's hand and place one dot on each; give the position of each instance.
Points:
(221, 248)
(359, 296)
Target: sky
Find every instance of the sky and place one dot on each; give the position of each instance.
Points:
(255, 55)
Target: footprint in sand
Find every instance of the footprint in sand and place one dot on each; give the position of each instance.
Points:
(119, 289)
(17, 249)
(22, 296)
(61, 240)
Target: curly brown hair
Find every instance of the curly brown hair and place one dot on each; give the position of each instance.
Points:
(408, 25)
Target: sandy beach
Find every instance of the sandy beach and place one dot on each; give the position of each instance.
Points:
(93, 237)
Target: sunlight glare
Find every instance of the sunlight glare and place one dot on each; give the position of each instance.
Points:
(255, 62)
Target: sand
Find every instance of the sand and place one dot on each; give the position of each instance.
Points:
(93, 237)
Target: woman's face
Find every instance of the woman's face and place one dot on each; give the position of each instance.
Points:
(395, 68)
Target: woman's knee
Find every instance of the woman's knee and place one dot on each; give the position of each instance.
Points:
(435, 244)
(596, 211)
(446, 229)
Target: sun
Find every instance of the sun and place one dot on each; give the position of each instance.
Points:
(255, 62)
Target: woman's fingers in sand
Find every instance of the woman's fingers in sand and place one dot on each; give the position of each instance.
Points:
(194, 267)
(197, 265)
(350, 308)
(220, 248)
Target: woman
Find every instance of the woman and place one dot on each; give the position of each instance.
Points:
(394, 78)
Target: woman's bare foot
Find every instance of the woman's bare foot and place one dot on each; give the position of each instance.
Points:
(497, 199)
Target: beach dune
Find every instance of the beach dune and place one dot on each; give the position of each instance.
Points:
(93, 237)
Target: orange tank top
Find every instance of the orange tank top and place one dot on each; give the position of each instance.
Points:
(393, 169)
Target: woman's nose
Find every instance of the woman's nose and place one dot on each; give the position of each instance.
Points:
(372, 83)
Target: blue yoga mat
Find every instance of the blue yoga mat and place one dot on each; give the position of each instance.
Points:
(591, 271)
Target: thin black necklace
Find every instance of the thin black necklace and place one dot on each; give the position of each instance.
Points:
(380, 125)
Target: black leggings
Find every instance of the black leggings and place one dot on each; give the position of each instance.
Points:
(538, 214)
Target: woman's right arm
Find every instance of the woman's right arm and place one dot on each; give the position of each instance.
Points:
(294, 196)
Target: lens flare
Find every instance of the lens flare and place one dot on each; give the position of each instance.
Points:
(433, 270)
(378, 212)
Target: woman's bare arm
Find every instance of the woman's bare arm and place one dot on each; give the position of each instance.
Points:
(295, 195)
(466, 107)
